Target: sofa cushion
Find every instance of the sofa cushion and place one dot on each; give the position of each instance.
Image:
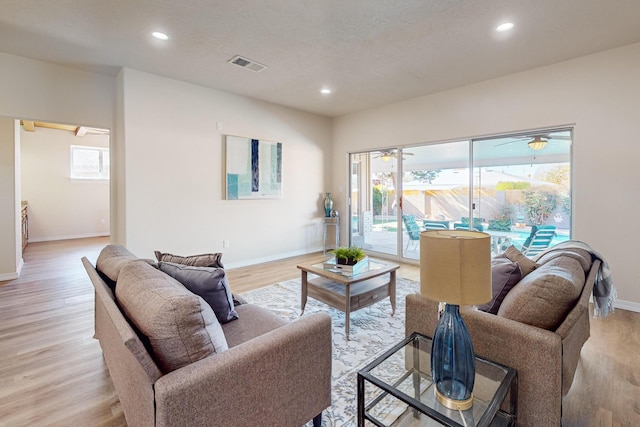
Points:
(526, 265)
(111, 260)
(180, 326)
(253, 322)
(208, 282)
(505, 274)
(581, 255)
(545, 296)
(202, 260)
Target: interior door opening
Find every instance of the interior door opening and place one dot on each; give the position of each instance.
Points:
(64, 180)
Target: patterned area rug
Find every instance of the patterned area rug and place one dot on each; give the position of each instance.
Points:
(372, 331)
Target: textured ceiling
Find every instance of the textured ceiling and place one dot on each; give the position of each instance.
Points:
(369, 52)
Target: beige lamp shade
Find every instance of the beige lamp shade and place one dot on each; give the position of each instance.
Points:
(455, 266)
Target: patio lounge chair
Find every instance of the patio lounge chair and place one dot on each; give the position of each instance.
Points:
(430, 224)
(464, 224)
(458, 226)
(413, 230)
(499, 225)
(539, 239)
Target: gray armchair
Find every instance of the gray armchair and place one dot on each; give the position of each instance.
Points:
(545, 358)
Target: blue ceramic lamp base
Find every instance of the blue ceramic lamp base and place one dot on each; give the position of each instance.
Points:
(453, 364)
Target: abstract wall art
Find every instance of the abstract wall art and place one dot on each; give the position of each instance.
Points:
(253, 168)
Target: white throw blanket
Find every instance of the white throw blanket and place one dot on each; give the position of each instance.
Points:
(604, 293)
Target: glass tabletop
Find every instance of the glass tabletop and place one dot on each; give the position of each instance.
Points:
(399, 390)
(330, 265)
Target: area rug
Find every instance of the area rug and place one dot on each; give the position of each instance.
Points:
(372, 331)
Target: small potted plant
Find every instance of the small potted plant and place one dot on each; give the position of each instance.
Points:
(348, 256)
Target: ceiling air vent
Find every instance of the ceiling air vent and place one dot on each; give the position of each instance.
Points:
(247, 63)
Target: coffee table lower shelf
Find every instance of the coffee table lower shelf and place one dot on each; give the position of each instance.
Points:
(349, 293)
(350, 297)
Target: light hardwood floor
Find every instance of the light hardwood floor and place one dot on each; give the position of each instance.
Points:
(52, 372)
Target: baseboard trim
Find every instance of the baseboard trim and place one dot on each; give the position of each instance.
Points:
(20, 265)
(8, 276)
(628, 305)
(12, 276)
(68, 237)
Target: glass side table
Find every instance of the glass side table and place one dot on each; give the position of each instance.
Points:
(396, 389)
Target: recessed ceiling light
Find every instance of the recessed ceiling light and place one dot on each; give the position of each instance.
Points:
(504, 27)
(325, 91)
(160, 36)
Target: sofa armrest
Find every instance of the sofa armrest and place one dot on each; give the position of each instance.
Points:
(280, 378)
(535, 353)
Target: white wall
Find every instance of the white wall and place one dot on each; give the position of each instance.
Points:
(599, 94)
(174, 172)
(43, 91)
(59, 207)
(10, 248)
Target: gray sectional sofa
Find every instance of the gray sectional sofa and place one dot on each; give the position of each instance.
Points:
(539, 328)
(174, 364)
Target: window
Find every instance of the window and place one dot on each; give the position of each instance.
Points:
(89, 162)
(509, 186)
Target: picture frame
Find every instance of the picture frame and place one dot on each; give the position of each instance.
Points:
(253, 168)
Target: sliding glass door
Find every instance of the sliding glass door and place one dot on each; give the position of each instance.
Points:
(435, 190)
(374, 224)
(523, 188)
(508, 186)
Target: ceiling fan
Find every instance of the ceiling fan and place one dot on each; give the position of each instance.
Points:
(537, 142)
(387, 155)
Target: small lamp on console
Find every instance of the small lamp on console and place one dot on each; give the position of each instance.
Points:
(455, 268)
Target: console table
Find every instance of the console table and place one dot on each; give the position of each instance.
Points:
(335, 223)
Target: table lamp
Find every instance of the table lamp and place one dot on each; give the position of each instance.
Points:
(455, 268)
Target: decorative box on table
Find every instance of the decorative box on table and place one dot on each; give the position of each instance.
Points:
(332, 264)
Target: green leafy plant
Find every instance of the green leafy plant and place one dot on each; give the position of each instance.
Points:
(377, 200)
(565, 202)
(505, 211)
(502, 221)
(348, 256)
(539, 205)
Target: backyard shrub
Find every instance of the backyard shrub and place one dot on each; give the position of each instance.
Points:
(539, 205)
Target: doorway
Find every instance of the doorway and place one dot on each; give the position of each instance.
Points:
(64, 180)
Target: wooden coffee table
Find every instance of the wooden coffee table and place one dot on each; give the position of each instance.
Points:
(347, 292)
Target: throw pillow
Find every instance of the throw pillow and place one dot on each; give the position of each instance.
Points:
(202, 260)
(505, 274)
(209, 283)
(111, 260)
(180, 326)
(545, 296)
(527, 265)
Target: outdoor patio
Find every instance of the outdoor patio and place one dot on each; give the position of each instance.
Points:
(383, 238)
